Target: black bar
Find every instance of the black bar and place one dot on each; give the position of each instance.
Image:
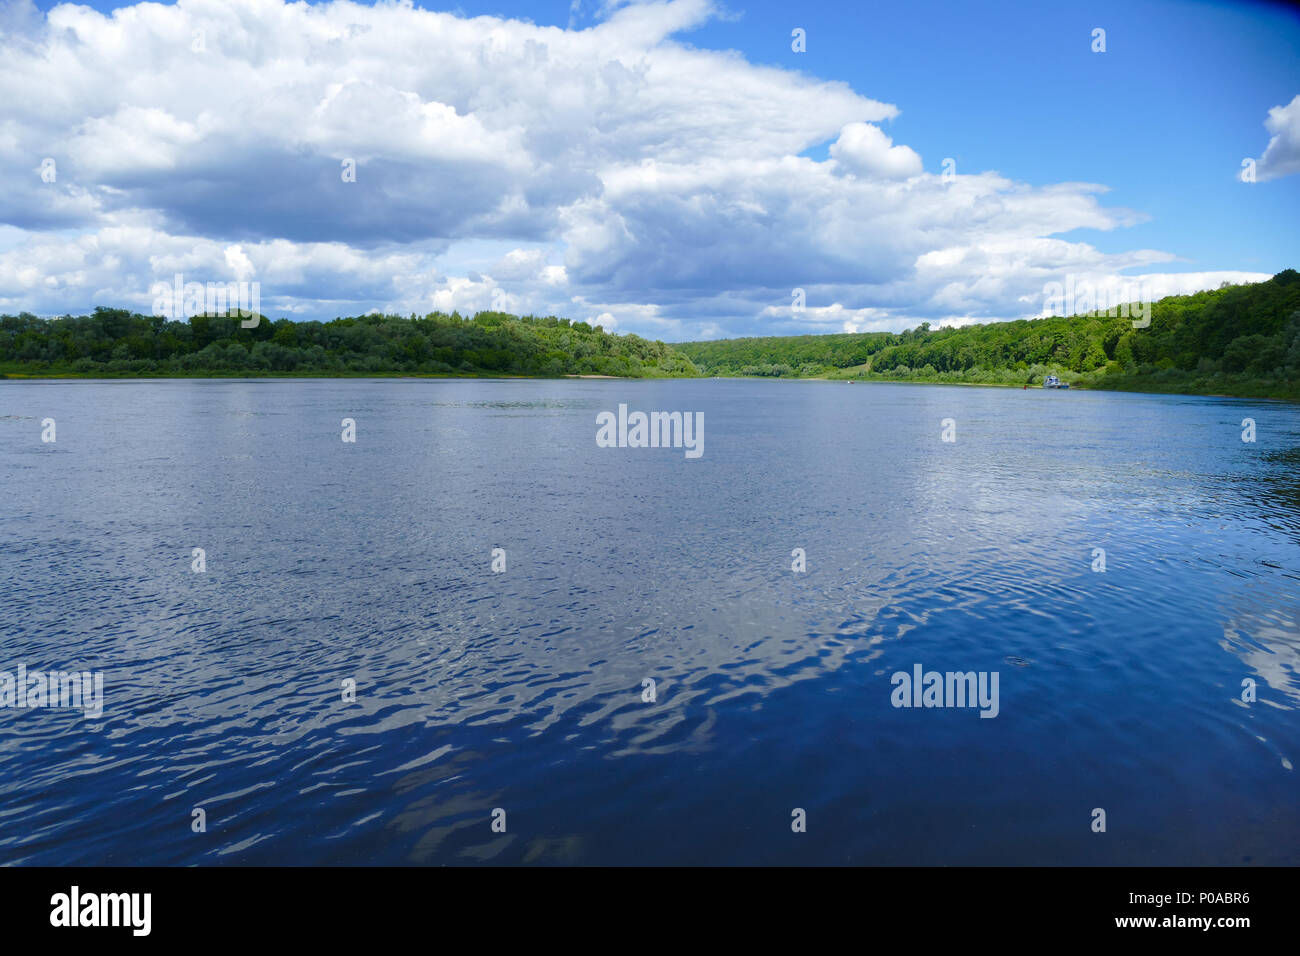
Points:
(366, 905)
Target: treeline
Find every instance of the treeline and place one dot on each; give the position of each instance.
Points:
(1236, 340)
(115, 342)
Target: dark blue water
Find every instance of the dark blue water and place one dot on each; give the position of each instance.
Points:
(328, 561)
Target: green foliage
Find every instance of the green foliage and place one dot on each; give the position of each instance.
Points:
(114, 342)
(1237, 340)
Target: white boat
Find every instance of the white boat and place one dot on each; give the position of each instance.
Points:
(1053, 382)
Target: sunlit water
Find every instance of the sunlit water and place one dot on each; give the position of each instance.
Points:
(371, 561)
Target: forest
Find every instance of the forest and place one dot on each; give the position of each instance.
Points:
(119, 343)
(1237, 340)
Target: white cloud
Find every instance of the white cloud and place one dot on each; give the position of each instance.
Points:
(865, 150)
(1282, 155)
(611, 171)
(240, 266)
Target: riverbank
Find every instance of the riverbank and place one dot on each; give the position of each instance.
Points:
(13, 376)
(1284, 392)
(1138, 388)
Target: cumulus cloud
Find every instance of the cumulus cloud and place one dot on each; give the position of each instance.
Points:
(617, 174)
(504, 126)
(1282, 155)
(864, 149)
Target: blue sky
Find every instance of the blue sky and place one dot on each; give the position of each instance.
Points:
(685, 200)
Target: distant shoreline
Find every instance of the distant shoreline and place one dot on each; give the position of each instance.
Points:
(245, 376)
(1238, 341)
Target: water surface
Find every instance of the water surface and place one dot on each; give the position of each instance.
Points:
(372, 562)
